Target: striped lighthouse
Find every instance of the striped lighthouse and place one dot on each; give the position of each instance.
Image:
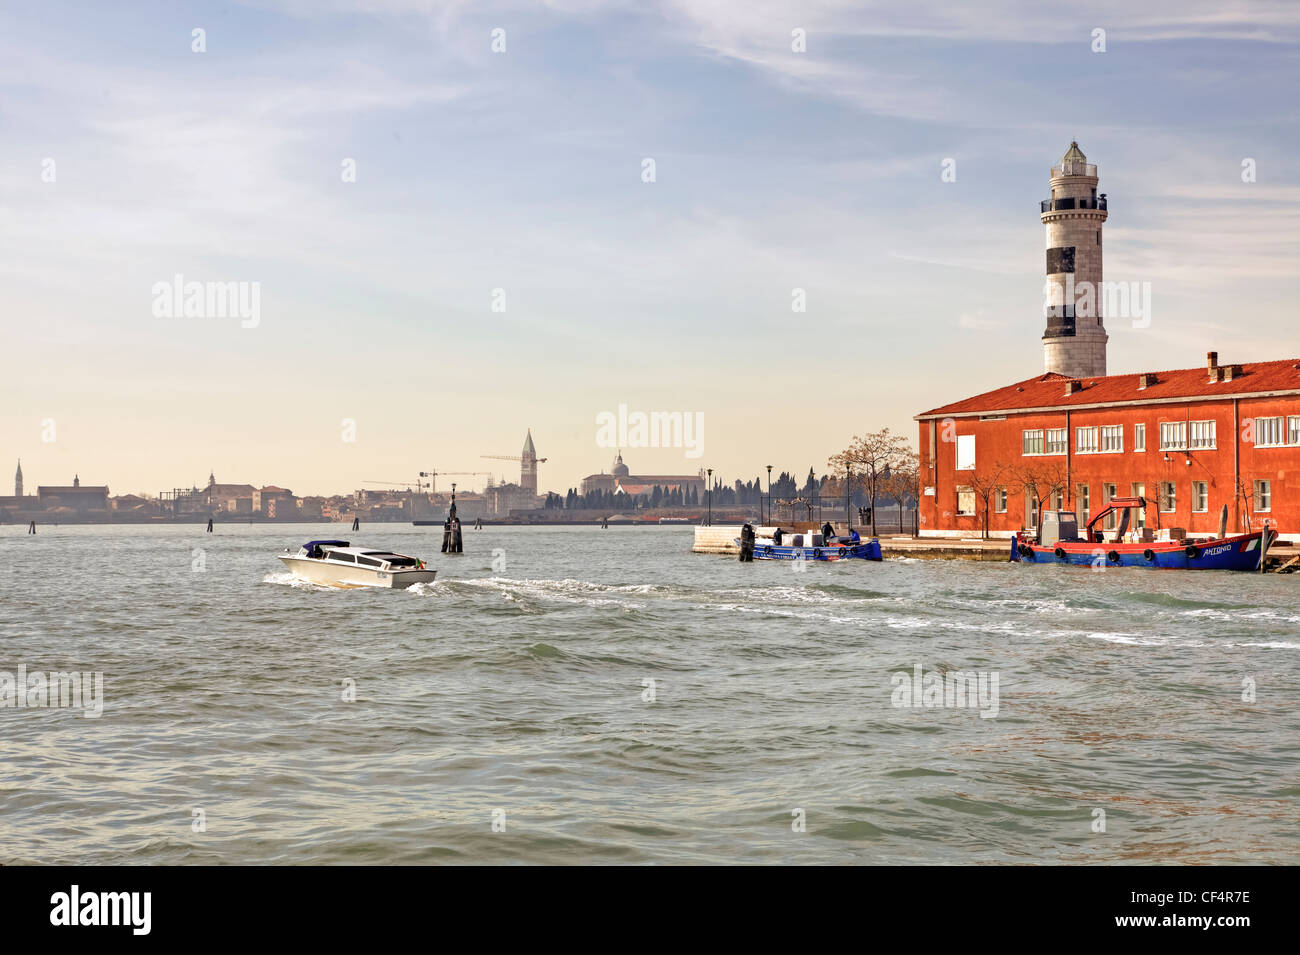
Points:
(1074, 342)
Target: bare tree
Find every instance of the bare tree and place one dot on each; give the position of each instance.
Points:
(903, 483)
(1042, 479)
(984, 482)
(1247, 503)
(872, 456)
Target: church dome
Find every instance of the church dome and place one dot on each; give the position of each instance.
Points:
(619, 469)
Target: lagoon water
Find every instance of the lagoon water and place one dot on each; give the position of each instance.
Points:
(520, 694)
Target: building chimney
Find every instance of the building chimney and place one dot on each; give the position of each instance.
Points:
(1145, 379)
(1212, 366)
(1073, 386)
(1230, 372)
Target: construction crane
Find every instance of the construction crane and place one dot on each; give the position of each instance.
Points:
(394, 485)
(433, 477)
(519, 458)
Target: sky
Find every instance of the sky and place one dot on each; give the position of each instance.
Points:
(500, 262)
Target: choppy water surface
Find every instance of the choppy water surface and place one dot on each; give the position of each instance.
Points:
(522, 691)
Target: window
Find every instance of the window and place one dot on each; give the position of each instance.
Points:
(1112, 437)
(1200, 496)
(1203, 433)
(1173, 436)
(346, 558)
(369, 561)
(1032, 442)
(965, 500)
(1060, 259)
(1139, 437)
(1268, 432)
(1293, 429)
(1168, 496)
(1108, 495)
(1058, 499)
(1058, 440)
(1263, 496)
(393, 560)
(1085, 440)
(965, 452)
(1031, 515)
(1084, 509)
(1000, 500)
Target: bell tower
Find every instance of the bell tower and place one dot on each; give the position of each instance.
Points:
(528, 466)
(1074, 342)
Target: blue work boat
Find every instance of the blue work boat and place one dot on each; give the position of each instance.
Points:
(1239, 552)
(815, 547)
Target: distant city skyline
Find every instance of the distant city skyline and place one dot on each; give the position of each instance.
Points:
(439, 483)
(448, 237)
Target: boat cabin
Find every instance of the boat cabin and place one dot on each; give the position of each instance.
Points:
(1064, 525)
(316, 549)
(344, 553)
(1059, 526)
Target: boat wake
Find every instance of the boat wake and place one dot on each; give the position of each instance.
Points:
(286, 579)
(566, 590)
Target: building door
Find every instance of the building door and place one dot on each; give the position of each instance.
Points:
(1140, 490)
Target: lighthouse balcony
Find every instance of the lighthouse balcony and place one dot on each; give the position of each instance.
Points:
(1073, 202)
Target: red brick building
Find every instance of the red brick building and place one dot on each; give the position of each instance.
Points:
(1189, 441)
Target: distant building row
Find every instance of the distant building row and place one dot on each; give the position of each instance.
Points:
(71, 500)
(620, 481)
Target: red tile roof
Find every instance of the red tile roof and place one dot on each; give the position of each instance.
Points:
(635, 489)
(1049, 390)
(661, 479)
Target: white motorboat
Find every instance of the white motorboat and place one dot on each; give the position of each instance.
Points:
(338, 564)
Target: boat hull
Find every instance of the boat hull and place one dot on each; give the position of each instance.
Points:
(866, 550)
(1231, 553)
(340, 575)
